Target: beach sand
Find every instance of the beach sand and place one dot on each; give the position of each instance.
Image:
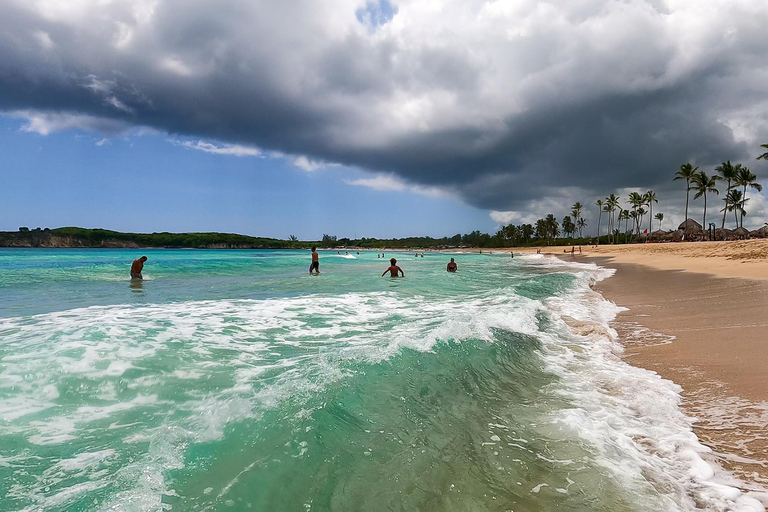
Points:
(710, 336)
(698, 315)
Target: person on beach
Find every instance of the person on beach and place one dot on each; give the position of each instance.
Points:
(573, 250)
(393, 269)
(315, 265)
(452, 266)
(511, 254)
(137, 266)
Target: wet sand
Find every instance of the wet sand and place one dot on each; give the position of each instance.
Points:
(708, 334)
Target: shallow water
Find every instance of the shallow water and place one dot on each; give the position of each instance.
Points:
(233, 380)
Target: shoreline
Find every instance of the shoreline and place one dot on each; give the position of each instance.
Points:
(705, 332)
(696, 315)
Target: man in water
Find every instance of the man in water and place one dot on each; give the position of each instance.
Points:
(315, 265)
(452, 266)
(393, 269)
(137, 267)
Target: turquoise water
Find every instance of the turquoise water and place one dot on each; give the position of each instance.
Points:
(233, 380)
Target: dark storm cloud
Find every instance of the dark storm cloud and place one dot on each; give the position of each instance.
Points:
(498, 102)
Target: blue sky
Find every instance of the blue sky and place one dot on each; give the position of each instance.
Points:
(370, 117)
(145, 183)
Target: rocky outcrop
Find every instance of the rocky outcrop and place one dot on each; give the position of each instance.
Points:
(49, 240)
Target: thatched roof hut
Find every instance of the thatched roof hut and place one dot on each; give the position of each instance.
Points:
(724, 234)
(691, 224)
(741, 232)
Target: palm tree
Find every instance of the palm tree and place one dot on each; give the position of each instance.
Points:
(527, 230)
(552, 227)
(764, 156)
(568, 226)
(612, 203)
(581, 224)
(745, 178)
(659, 217)
(734, 202)
(634, 216)
(686, 172)
(599, 203)
(624, 215)
(703, 184)
(726, 172)
(650, 198)
(636, 201)
(576, 212)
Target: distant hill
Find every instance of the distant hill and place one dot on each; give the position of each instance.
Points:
(82, 237)
(105, 238)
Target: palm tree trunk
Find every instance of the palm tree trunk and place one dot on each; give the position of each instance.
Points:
(704, 220)
(744, 203)
(599, 215)
(650, 217)
(687, 195)
(722, 226)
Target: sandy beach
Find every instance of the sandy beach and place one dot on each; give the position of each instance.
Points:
(697, 315)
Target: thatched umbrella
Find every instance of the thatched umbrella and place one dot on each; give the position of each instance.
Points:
(741, 232)
(723, 234)
(690, 225)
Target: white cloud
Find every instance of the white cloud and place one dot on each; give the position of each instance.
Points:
(222, 149)
(502, 218)
(308, 164)
(45, 123)
(380, 182)
(391, 183)
(43, 38)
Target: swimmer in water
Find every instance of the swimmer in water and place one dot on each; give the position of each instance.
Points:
(315, 265)
(452, 266)
(393, 269)
(137, 266)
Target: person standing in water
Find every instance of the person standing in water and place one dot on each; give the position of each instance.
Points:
(315, 265)
(393, 269)
(452, 266)
(137, 266)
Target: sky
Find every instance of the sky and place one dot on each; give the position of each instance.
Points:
(377, 118)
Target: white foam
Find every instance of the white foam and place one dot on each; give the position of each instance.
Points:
(267, 351)
(629, 416)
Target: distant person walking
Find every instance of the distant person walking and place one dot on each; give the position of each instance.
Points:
(137, 266)
(315, 265)
(393, 269)
(452, 266)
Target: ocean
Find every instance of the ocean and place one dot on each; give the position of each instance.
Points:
(233, 380)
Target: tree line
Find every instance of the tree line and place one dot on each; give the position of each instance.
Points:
(738, 179)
